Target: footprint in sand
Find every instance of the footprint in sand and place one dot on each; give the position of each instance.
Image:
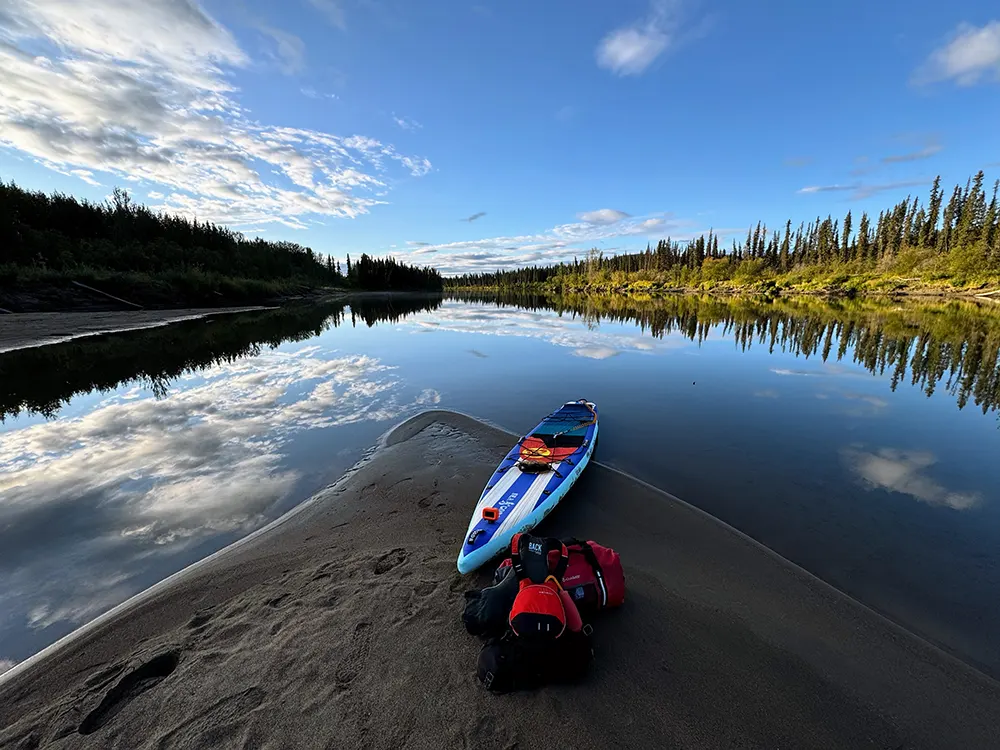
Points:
(425, 588)
(390, 560)
(200, 619)
(357, 654)
(131, 686)
(218, 725)
(425, 502)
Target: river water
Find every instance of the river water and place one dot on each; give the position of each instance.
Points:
(859, 439)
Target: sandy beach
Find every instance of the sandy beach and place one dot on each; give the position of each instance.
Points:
(24, 330)
(339, 627)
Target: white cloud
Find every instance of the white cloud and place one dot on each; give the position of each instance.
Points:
(86, 175)
(827, 188)
(289, 50)
(860, 191)
(141, 92)
(406, 123)
(6, 664)
(924, 153)
(557, 244)
(970, 56)
(312, 93)
(866, 191)
(332, 11)
(903, 472)
(603, 216)
(631, 49)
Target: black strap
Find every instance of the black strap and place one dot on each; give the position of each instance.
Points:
(560, 571)
(515, 556)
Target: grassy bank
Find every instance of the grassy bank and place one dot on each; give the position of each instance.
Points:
(841, 280)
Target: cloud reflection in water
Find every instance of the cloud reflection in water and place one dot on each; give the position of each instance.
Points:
(580, 333)
(137, 479)
(904, 472)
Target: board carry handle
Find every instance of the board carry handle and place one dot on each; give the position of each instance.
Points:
(491, 514)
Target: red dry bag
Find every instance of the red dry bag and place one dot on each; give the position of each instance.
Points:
(594, 577)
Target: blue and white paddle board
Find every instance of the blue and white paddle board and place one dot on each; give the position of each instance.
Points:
(530, 482)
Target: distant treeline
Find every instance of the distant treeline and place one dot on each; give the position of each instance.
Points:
(43, 379)
(941, 239)
(387, 274)
(954, 345)
(43, 234)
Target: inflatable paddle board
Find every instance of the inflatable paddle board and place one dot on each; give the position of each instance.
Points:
(530, 481)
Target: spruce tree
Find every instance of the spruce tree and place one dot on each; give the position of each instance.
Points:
(862, 246)
(929, 239)
(988, 237)
(946, 237)
(783, 260)
(919, 224)
(907, 228)
(845, 245)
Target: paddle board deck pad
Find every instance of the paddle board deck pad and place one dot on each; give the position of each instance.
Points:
(530, 481)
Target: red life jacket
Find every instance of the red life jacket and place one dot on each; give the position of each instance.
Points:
(541, 609)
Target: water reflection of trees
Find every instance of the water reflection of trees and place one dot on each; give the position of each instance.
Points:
(932, 345)
(42, 380)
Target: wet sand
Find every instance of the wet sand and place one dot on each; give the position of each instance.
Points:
(24, 330)
(339, 627)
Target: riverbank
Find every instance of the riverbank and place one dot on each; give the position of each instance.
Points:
(91, 292)
(339, 625)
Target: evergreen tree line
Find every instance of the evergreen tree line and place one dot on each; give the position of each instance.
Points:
(960, 236)
(387, 274)
(954, 345)
(58, 233)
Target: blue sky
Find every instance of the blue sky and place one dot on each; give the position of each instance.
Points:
(484, 134)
